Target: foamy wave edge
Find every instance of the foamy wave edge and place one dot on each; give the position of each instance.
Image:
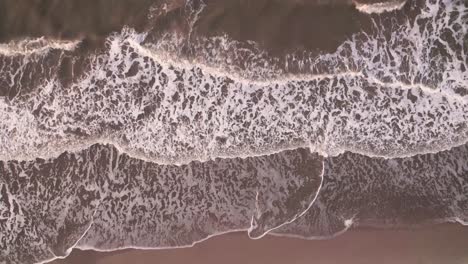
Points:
(82, 145)
(379, 8)
(39, 46)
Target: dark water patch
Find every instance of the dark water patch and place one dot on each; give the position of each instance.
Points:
(75, 19)
(283, 26)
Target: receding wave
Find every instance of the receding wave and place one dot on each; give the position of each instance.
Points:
(101, 199)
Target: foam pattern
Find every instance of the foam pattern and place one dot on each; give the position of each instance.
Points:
(101, 199)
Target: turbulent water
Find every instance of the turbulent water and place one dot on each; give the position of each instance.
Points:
(159, 140)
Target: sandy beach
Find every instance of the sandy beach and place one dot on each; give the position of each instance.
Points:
(442, 244)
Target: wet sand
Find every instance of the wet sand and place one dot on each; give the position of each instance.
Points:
(442, 244)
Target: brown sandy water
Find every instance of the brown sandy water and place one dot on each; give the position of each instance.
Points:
(442, 244)
(284, 26)
(277, 25)
(69, 19)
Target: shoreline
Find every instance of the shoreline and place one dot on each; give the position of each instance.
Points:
(444, 243)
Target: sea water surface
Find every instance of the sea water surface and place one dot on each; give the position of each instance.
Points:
(161, 136)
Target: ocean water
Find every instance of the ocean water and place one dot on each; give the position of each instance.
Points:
(161, 139)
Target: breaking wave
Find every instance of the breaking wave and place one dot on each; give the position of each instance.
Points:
(380, 7)
(407, 100)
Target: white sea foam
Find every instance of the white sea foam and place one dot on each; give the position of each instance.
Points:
(377, 95)
(41, 45)
(378, 8)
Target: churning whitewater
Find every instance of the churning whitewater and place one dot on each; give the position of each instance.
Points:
(373, 96)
